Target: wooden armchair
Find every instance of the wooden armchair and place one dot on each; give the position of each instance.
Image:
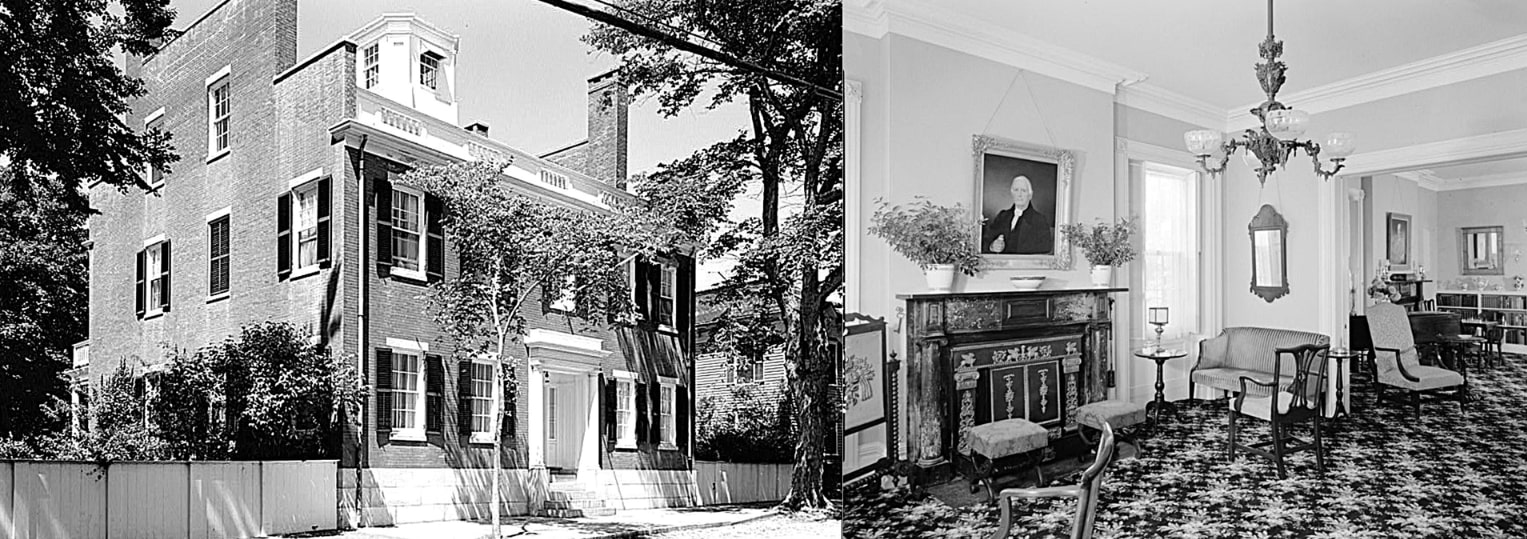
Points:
(1085, 492)
(1398, 363)
(1301, 398)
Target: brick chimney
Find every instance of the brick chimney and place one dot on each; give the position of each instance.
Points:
(606, 154)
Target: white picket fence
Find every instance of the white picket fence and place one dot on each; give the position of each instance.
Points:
(80, 500)
(722, 483)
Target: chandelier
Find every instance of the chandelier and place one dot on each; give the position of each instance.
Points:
(1277, 141)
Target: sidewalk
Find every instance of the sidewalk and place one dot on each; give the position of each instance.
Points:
(626, 523)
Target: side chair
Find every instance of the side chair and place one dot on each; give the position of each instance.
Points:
(1288, 400)
(1085, 492)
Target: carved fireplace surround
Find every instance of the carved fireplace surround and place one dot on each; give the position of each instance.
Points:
(974, 358)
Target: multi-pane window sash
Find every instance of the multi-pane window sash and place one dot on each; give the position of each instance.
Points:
(154, 261)
(429, 69)
(407, 390)
(551, 413)
(666, 412)
(220, 113)
(625, 412)
(306, 202)
(155, 173)
(666, 294)
(407, 230)
(218, 254)
(372, 59)
(482, 398)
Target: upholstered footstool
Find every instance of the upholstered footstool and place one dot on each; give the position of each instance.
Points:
(1121, 415)
(1004, 445)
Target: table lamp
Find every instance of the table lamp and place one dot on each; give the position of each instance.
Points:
(1158, 318)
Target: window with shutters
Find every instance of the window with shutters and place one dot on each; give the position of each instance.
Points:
(408, 394)
(153, 264)
(429, 70)
(372, 59)
(567, 300)
(482, 402)
(154, 174)
(631, 276)
(217, 258)
(625, 410)
(305, 229)
(666, 413)
(407, 232)
(667, 292)
(219, 114)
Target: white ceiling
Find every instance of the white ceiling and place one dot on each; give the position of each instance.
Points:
(1207, 49)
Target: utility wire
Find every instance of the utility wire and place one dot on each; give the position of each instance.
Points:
(656, 21)
(691, 47)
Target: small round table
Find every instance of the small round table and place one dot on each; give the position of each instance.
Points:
(1160, 357)
(1340, 354)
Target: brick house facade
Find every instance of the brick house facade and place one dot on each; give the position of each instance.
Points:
(272, 214)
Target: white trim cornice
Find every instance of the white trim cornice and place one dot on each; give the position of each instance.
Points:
(1151, 98)
(1426, 179)
(945, 27)
(1489, 180)
(1492, 58)
(1141, 151)
(1485, 147)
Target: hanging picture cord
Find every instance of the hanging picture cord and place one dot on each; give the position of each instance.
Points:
(986, 129)
(1038, 112)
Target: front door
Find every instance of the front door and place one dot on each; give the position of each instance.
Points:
(565, 420)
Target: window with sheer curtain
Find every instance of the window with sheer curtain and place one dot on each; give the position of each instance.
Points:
(1169, 247)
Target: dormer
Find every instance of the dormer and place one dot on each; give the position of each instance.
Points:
(410, 61)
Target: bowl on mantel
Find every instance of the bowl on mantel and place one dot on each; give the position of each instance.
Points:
(1028, 282)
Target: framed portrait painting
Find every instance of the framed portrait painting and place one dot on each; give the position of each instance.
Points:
(1397, 241)
(1024, 195)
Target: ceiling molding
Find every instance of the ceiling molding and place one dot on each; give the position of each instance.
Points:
(1151, 98)
(1458, 151)
(1424, 178)
(1488, 180)
(1493, 58)
(939, 25)
(1142, 151)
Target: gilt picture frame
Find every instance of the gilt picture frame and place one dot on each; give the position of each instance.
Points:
(1006, 237)
(1397, 234)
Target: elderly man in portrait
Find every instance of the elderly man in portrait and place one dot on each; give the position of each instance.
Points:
(1019, 229)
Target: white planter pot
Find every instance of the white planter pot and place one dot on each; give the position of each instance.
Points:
(940, 277)
(1102, 276)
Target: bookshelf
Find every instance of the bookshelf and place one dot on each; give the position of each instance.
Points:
(1509, 307)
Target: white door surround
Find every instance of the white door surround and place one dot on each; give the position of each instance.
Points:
(566, 368)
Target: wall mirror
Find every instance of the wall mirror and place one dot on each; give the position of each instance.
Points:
(1479, 250)
(1269, 254)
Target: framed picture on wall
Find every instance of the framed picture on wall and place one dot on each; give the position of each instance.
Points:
(1397, 241)
(1024, 195)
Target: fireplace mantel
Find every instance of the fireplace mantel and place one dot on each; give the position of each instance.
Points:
(976, 357)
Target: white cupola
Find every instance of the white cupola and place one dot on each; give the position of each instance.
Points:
(410, 61)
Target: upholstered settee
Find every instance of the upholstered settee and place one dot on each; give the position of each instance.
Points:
(1246, 351)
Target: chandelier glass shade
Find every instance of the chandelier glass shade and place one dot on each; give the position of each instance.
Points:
(1277, 140)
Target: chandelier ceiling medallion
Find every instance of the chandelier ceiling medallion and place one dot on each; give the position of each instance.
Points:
(1278, 138)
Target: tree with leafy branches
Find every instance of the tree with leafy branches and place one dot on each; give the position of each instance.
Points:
(790, 255)
(62, 97)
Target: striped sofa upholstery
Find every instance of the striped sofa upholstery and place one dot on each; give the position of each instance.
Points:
(1246, 351)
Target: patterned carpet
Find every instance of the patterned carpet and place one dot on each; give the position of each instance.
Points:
(1452, 474)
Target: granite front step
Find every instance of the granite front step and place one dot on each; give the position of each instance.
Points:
(574, 504)
(570, 495)
(576, 513)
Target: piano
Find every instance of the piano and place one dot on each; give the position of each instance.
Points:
(1430, 329)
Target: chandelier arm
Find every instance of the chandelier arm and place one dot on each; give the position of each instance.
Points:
(1326, 175)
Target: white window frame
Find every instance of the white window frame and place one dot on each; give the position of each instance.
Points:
(153, 264)
(483, 436)
(433, 69)
(298, 268)
(371, 71)
(1184, 325)
(567, 301)
(149, 168)
(219, 80)
(625, 434)
(668, 397)
(423, 233)
(636, 302)
(415, 433)
(668, 291)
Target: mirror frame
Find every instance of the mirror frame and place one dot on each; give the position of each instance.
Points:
(1463, 250)
(1269, 219)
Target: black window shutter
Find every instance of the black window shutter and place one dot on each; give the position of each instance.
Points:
(655, 393)
(384, 389)
(434, 264)
(164, 269)
(284, 236)
(610, 425)
(434, 393)
(643, 303)
(383, 226)
(681, 417)
(654, 277)
(507, 424)
(642, 424)
(464, 397)
(139, 297)
(325, 201)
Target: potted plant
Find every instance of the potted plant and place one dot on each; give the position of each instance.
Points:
(939, 239)
(1105, 246)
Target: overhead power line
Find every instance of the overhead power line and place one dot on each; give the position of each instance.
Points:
(691, 47)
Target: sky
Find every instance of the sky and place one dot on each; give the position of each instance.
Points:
(523, 70)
